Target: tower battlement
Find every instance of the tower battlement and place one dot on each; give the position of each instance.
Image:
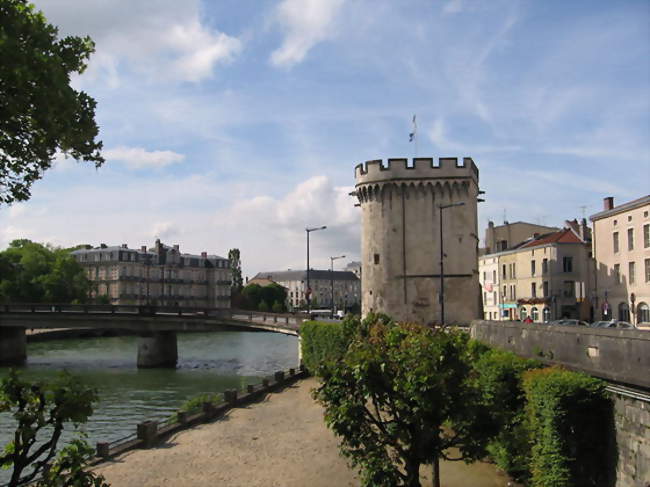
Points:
(417, 168)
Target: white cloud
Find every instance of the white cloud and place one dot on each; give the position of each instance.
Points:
(160, 39)
(306, 23)
(138, 158)
(453, 7)
(165, 230)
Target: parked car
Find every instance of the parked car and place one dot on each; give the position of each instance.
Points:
(611, 324)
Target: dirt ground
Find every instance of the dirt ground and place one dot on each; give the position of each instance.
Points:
(279, 442)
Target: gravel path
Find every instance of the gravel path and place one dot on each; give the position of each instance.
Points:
(279, 442)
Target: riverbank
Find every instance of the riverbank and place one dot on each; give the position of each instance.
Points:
(281, 441)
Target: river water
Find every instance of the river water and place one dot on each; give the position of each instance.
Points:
(207, 363)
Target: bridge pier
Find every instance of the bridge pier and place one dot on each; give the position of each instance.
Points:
(13, 346)
(157, 349)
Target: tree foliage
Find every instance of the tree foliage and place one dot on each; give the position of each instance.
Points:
(40, 113)
(32, 272)
(402, 396)
(234, 258)
(41, 412)
(254, 295)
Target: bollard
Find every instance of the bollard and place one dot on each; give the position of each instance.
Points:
(148, 432)
(279, 376)
(265, 383)
(250, 388)
(103, 450)
(209, 410)
(292, 372)
(182, 416)
(230, 396)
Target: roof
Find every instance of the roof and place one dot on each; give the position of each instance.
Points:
(151, 251)
(563, 236)
(630, 205)
(314, 274)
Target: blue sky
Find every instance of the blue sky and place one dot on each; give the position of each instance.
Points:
(237, 123)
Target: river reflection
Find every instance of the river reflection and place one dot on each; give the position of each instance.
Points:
(207, 362)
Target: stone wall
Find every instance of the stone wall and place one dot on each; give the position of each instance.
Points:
(615, 354)
(632, 417)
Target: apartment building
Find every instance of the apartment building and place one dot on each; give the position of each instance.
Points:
(545, 277)
(621, 249)
(503, 237)
(347, 287)
(159, 275)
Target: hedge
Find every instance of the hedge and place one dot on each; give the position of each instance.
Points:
(499, 379)
(323, 343)
(570, 419)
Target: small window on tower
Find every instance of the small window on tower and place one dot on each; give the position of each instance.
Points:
(376, 258)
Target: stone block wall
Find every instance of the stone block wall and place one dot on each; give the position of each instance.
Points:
(632, 419)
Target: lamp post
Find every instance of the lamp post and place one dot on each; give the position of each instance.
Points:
(332, 259)
(308, 293)
(442, 258)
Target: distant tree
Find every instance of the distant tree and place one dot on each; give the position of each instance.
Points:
(277, 307)
(41, 412)
(403, 396)
(263, 306)
(40, 113)
(253, 294)
(235, 268)
(274, 293)
(33, 272)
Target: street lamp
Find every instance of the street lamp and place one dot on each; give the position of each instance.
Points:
(442, 268)
(332, 259)
(309, 230)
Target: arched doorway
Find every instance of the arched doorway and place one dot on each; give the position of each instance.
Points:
(643, 313)
(623, 312)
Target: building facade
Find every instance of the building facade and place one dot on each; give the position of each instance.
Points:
(346, 288)
(402, 240)
(159, 275)
(546, 277)
(503, 237)
(621, 249)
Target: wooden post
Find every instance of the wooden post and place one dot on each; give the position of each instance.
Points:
(103, 450)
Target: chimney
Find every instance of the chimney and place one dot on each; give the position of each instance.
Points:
(102, 246)
(204, 255)
(177, 247)
(124, 246)
(608, 203)
(143, 248)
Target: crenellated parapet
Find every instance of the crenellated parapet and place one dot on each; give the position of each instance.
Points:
(417, 168)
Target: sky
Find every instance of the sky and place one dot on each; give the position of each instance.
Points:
(230, 123)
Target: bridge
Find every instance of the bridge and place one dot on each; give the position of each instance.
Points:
(156, 326)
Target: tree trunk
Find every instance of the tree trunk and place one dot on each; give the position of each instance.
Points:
(413, 473)
(436, 471)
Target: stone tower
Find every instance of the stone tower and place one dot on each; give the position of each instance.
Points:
(400, 238)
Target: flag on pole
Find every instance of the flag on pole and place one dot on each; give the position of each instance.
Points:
(415, 131)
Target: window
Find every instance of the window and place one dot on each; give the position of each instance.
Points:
(494, 297)
(504, 292)
(376, 258)
(615, 241)
(630, 239)
(623, 312)
(545, 266)
(533, 290)
(647, 270)
(646, 235)
(545, 289)
(569, 289)
(522, 314)
(514, 271)
(567, 264)
(484, 297)
(494, 277)
(546, 314)
(617, 273)
(630, 272)
(484, 276)
(532, 268)
(504, 271)
(643, 313)
(534, 313)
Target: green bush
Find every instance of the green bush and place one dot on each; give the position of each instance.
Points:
(570, 418)
(195, 404)
(499, 378)
(324, 343)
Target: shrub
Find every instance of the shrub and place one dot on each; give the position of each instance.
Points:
(326, 342)
(500, 382)
(277, 307)
(263, 306)
(570, 417)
